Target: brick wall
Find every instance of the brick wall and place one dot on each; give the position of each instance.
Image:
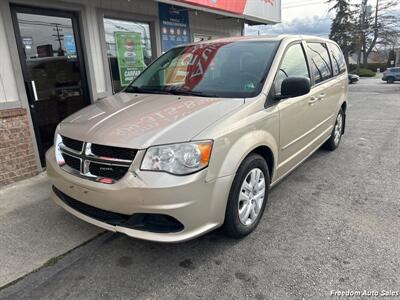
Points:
(17, 158)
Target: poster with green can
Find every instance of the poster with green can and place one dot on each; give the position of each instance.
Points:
(129, 55)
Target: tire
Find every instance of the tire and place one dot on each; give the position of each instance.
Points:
(334, 140)
(235, 226)
(390, 80)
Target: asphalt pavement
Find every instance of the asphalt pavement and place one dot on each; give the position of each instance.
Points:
(331, 226)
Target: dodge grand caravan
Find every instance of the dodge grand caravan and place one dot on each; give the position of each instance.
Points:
(197, 140)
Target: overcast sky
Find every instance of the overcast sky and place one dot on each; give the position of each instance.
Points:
(299, 16)
(303, 17)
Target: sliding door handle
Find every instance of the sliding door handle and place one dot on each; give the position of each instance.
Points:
(313, 100)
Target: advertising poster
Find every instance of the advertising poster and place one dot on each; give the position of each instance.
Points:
(69, 44)
(27, 42)
(129, 55)
(174, 26)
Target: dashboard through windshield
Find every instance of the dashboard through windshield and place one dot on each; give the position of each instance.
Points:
(220, 69)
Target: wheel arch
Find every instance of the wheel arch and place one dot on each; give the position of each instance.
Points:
(260, 142)
(390, 77)
(268, 156)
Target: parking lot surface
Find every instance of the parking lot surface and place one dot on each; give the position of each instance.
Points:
(332, 225)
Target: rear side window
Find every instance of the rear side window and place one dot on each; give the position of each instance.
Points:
(338, 62)
(293, 64)
(320, 63)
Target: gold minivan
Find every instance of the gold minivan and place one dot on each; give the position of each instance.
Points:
(197, 140)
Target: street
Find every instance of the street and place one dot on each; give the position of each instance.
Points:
(332, 225)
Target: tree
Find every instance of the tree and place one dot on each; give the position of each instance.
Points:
(377, 26)
(342, 26)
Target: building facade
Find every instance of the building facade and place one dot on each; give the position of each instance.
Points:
(58, 56)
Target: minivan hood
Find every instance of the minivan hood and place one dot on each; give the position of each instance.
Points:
(141, 120)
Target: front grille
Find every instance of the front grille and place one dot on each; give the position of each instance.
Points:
(113, 152)
(101, 163)
(72, 162)
(108, 171)
(72, 144)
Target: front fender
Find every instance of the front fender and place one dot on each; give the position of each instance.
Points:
(231, 152)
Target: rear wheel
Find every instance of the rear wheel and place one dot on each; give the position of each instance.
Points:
(333, 142)
(390, 80)
(247, 197)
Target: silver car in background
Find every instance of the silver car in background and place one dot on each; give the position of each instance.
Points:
(391, 75)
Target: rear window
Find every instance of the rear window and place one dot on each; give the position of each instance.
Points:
(338, 62)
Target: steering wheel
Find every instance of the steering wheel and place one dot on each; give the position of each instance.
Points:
(284, 72)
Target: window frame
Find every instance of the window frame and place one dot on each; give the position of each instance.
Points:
(130, 17)
(272, 88)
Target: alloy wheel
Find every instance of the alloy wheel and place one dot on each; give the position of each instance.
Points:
(338, 129)
(251, 196)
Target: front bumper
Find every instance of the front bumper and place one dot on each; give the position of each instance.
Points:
(198, 205)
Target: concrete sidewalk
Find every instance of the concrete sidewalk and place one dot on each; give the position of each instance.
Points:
(34, 230)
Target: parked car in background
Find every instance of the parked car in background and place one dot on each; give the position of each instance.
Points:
(353, 78)
(198, 138)
(391, 75)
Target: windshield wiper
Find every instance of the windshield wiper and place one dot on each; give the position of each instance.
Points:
(145, 90)
(135, 89)
(193, 93)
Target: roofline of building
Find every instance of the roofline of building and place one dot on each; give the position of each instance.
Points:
(251, 20)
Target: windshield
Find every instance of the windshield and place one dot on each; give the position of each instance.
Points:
(225, 69)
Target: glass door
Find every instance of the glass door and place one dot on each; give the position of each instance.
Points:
(53, 69)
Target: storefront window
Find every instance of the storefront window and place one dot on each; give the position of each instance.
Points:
(129, 50)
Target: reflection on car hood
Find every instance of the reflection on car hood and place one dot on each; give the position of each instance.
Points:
(139, 121)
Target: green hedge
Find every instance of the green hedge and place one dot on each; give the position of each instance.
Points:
(364, 72)
(371, 66)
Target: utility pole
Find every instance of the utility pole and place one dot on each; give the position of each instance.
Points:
(362, 32)
(59, 38)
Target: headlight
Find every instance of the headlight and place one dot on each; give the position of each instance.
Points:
(179, 159)
(57, 143)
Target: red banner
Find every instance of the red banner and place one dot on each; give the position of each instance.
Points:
(232, 6)
(192, 65)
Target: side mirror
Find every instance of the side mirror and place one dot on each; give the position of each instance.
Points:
(294, 87)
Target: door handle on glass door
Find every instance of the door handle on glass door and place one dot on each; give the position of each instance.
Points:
(34, 90)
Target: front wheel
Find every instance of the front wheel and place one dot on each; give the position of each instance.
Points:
(333, 142)
(247, 197)
(390, 80)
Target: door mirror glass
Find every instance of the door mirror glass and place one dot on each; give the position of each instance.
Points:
(294, 87)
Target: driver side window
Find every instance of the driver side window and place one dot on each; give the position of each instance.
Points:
(293, 64)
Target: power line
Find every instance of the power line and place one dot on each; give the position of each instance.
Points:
(300, 2)
(301, 5)
(304, 3)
